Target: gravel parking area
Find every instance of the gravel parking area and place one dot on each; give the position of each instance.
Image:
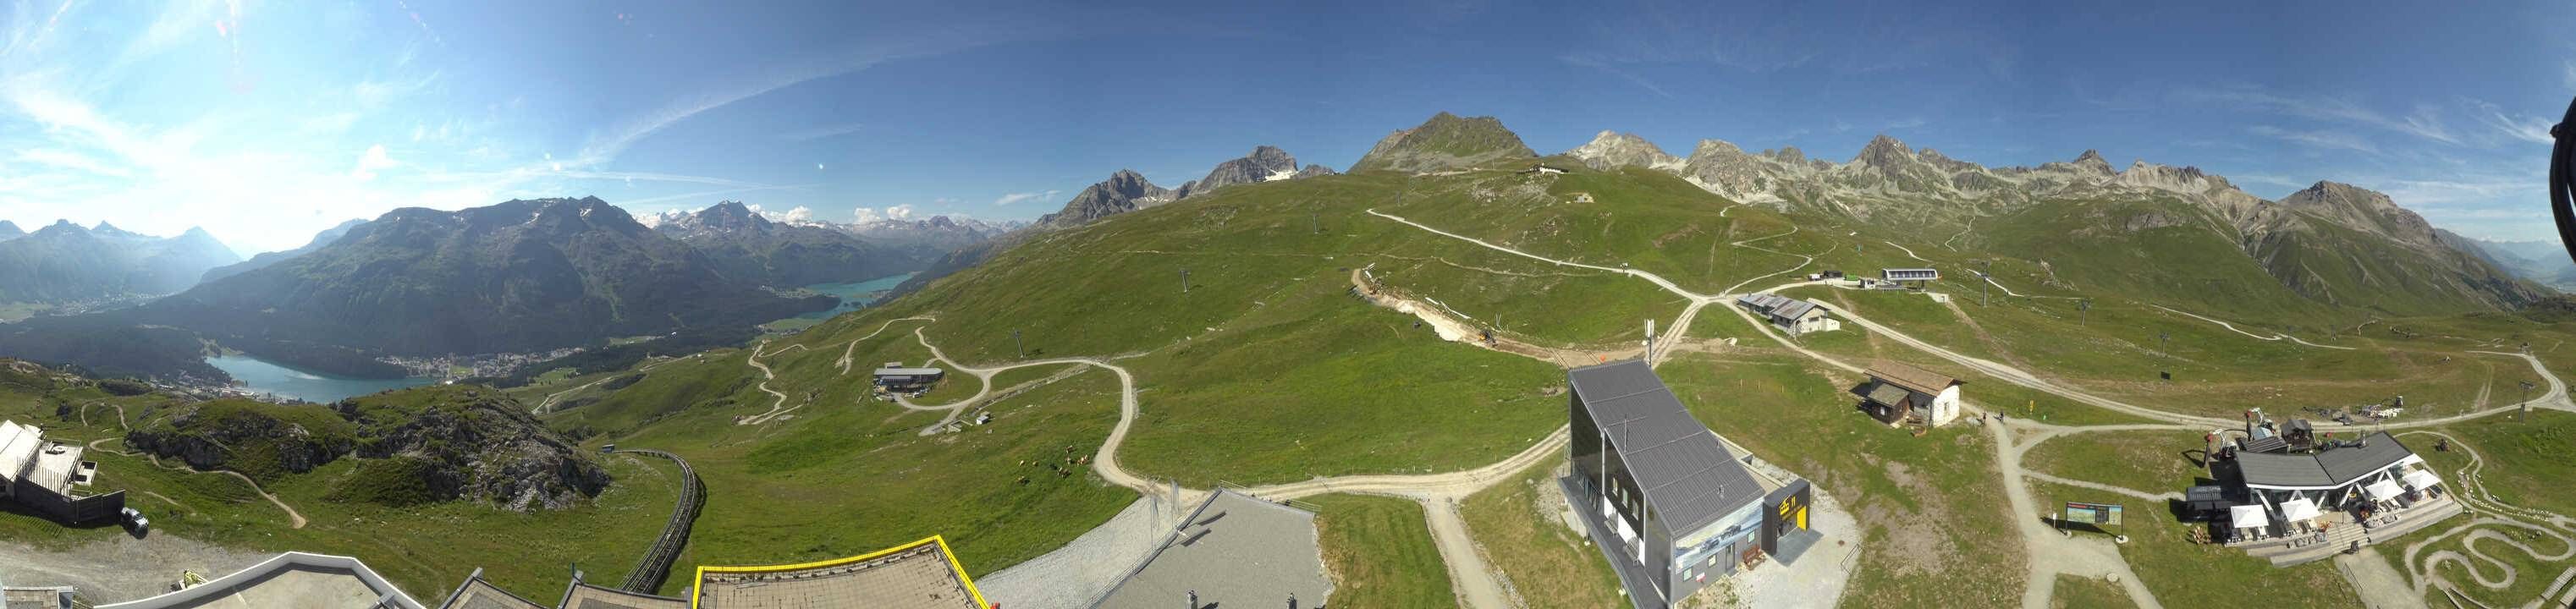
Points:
(1073, 576)
(121, 568)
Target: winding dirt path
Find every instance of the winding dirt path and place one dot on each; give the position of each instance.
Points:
(778, 408)
(846, 350)
(2468, 487)
(2232, 328)
(550, 400)
(294, 519)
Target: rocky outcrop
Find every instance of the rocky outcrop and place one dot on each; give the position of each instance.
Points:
(481, 447)
(437, 443)
(1445, 142)
(263, 441)
(1314, 171)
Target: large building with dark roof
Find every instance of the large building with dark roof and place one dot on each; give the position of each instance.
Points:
(1669, 505)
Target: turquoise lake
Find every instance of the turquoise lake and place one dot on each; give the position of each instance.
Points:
(264, 376)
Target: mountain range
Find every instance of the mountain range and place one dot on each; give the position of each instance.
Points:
(2331, 243)
(66, 263)
(1127, 191)
(744, 245)
(523, 275)
(2544, 262)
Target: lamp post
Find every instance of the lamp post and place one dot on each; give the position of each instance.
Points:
(2526, 400)
(2164, 346)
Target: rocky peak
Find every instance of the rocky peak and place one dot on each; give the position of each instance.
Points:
(1123, 192)
(1447, 141)
(2092, 161)
(1610, 149)
(729, 215)
(110, 230)
(2362, 209)
(59, 229)
(1266, 163)
(1885, 155)
(1725, 169)
(1715, 148)
(9, 230)
(1314, 171)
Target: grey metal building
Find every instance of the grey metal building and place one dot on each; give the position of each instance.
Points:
(1668, 504)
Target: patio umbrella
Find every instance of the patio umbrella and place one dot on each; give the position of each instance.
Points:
(2422, 479)
(2248, 516)
(2383, 490)
(2298, 509)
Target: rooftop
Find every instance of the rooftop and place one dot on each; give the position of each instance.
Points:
(480, 594)
(921, 574)
(1907, 376)
(1235, 551)
(585, 596)
(2333, 468)
(294, 580)
(18, 446)
(909, 372)
(35, 598)
(1685, 472)
(1779, 306)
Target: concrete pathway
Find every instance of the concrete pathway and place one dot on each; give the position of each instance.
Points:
(2380, 586)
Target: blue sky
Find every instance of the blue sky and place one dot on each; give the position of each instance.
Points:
(267, 121)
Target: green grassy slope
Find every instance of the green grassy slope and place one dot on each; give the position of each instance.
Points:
(1380, 553)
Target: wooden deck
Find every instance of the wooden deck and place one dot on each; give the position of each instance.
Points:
(2341, 531)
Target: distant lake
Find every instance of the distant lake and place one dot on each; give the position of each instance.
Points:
(854, 296)
(264, 376)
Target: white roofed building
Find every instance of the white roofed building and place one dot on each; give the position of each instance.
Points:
(51, 477)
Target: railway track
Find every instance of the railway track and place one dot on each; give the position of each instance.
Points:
(655, 566)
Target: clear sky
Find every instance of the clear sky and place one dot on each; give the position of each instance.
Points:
(267, 121)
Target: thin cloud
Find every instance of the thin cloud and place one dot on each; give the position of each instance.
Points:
(1017, 197)
(2530, 129)
(2425, 122)
(609, 144)
(2316, 139)
(1613, 70)
(826, 131)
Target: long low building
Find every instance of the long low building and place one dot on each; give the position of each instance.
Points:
(896, 376)
(1791, 315)
(51, 477)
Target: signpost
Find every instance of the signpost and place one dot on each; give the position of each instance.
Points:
(2096, 515)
